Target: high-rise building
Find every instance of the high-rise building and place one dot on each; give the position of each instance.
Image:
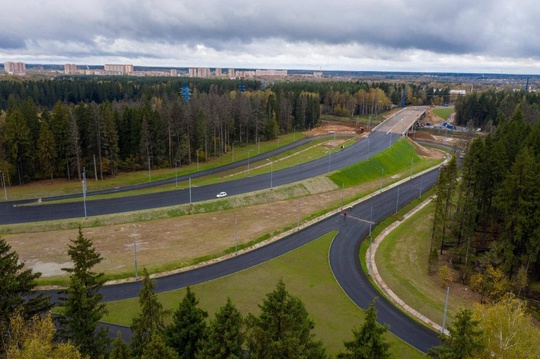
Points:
(116, 69)
(202, 72)
(15, 68)
(232, 74)
(218, 72)
(70, 69)
(271, 73)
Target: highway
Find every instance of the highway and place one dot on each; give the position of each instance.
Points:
(390, 130)
(343, 254)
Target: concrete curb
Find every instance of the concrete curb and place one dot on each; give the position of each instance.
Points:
(370, 259)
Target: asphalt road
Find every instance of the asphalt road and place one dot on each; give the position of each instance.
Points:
(343, 257)
(390, 131)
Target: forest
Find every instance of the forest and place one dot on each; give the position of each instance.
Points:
(486, 109)
(489, 219)
(55, 128)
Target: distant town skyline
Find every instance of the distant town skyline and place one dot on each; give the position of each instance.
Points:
(349, 35)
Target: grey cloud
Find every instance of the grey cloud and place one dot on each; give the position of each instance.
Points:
(10, 42)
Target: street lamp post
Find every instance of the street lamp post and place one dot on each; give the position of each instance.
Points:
(298, 227)
(294, 130)
(135, 258)
(235, 236)
(271, 171)
(397, 200)
(382, 176)
(198, 159)
(149, 169)
(233, 149)
(248, 161)
(176, 163)
(4, 184)
(84, 191)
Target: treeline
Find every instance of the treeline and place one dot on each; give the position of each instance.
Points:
(486, 109)
(489, 220)
(55, 128)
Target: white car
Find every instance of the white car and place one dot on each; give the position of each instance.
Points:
(221, 194)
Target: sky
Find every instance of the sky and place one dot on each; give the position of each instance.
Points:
(482, 36)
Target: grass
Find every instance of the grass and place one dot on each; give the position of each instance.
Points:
(443, 113)
(388, 163)
(402, 260)
(306, 274)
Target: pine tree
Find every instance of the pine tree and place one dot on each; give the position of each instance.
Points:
(83, 308)
(283, 328)
(46, 150)
(17, 286)
(464, 339)
(225, 334)
(368, 341)
(151, 319)
(188, 329)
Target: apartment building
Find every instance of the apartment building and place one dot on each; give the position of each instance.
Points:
(118, 69)
(15, 68)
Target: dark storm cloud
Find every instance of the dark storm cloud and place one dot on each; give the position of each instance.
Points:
(122, 28)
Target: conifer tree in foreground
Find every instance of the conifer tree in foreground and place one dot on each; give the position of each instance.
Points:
(188, 329)
(464, 339)
(150, 321)
(283, 328)
(225, 334)
(368, 342)
(17, 286)
(83, 307)
(157, 348)
(120, 349)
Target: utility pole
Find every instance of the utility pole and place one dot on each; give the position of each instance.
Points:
(84, 191)
(235, 236)
(4, 185)
(445, 309)
(397, 200)
(135, 258)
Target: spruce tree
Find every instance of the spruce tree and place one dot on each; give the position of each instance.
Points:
(225, 334)
(17, 286)
(188, 329)
(283, 329)
(156, 348)
(368, 341)
(150, 321)
(83, 307)
(120, 349)
(464, 339)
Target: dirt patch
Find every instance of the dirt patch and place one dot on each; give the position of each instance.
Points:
(335, 128)
(165, 243)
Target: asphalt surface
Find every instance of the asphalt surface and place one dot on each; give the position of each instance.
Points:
(343, 255)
